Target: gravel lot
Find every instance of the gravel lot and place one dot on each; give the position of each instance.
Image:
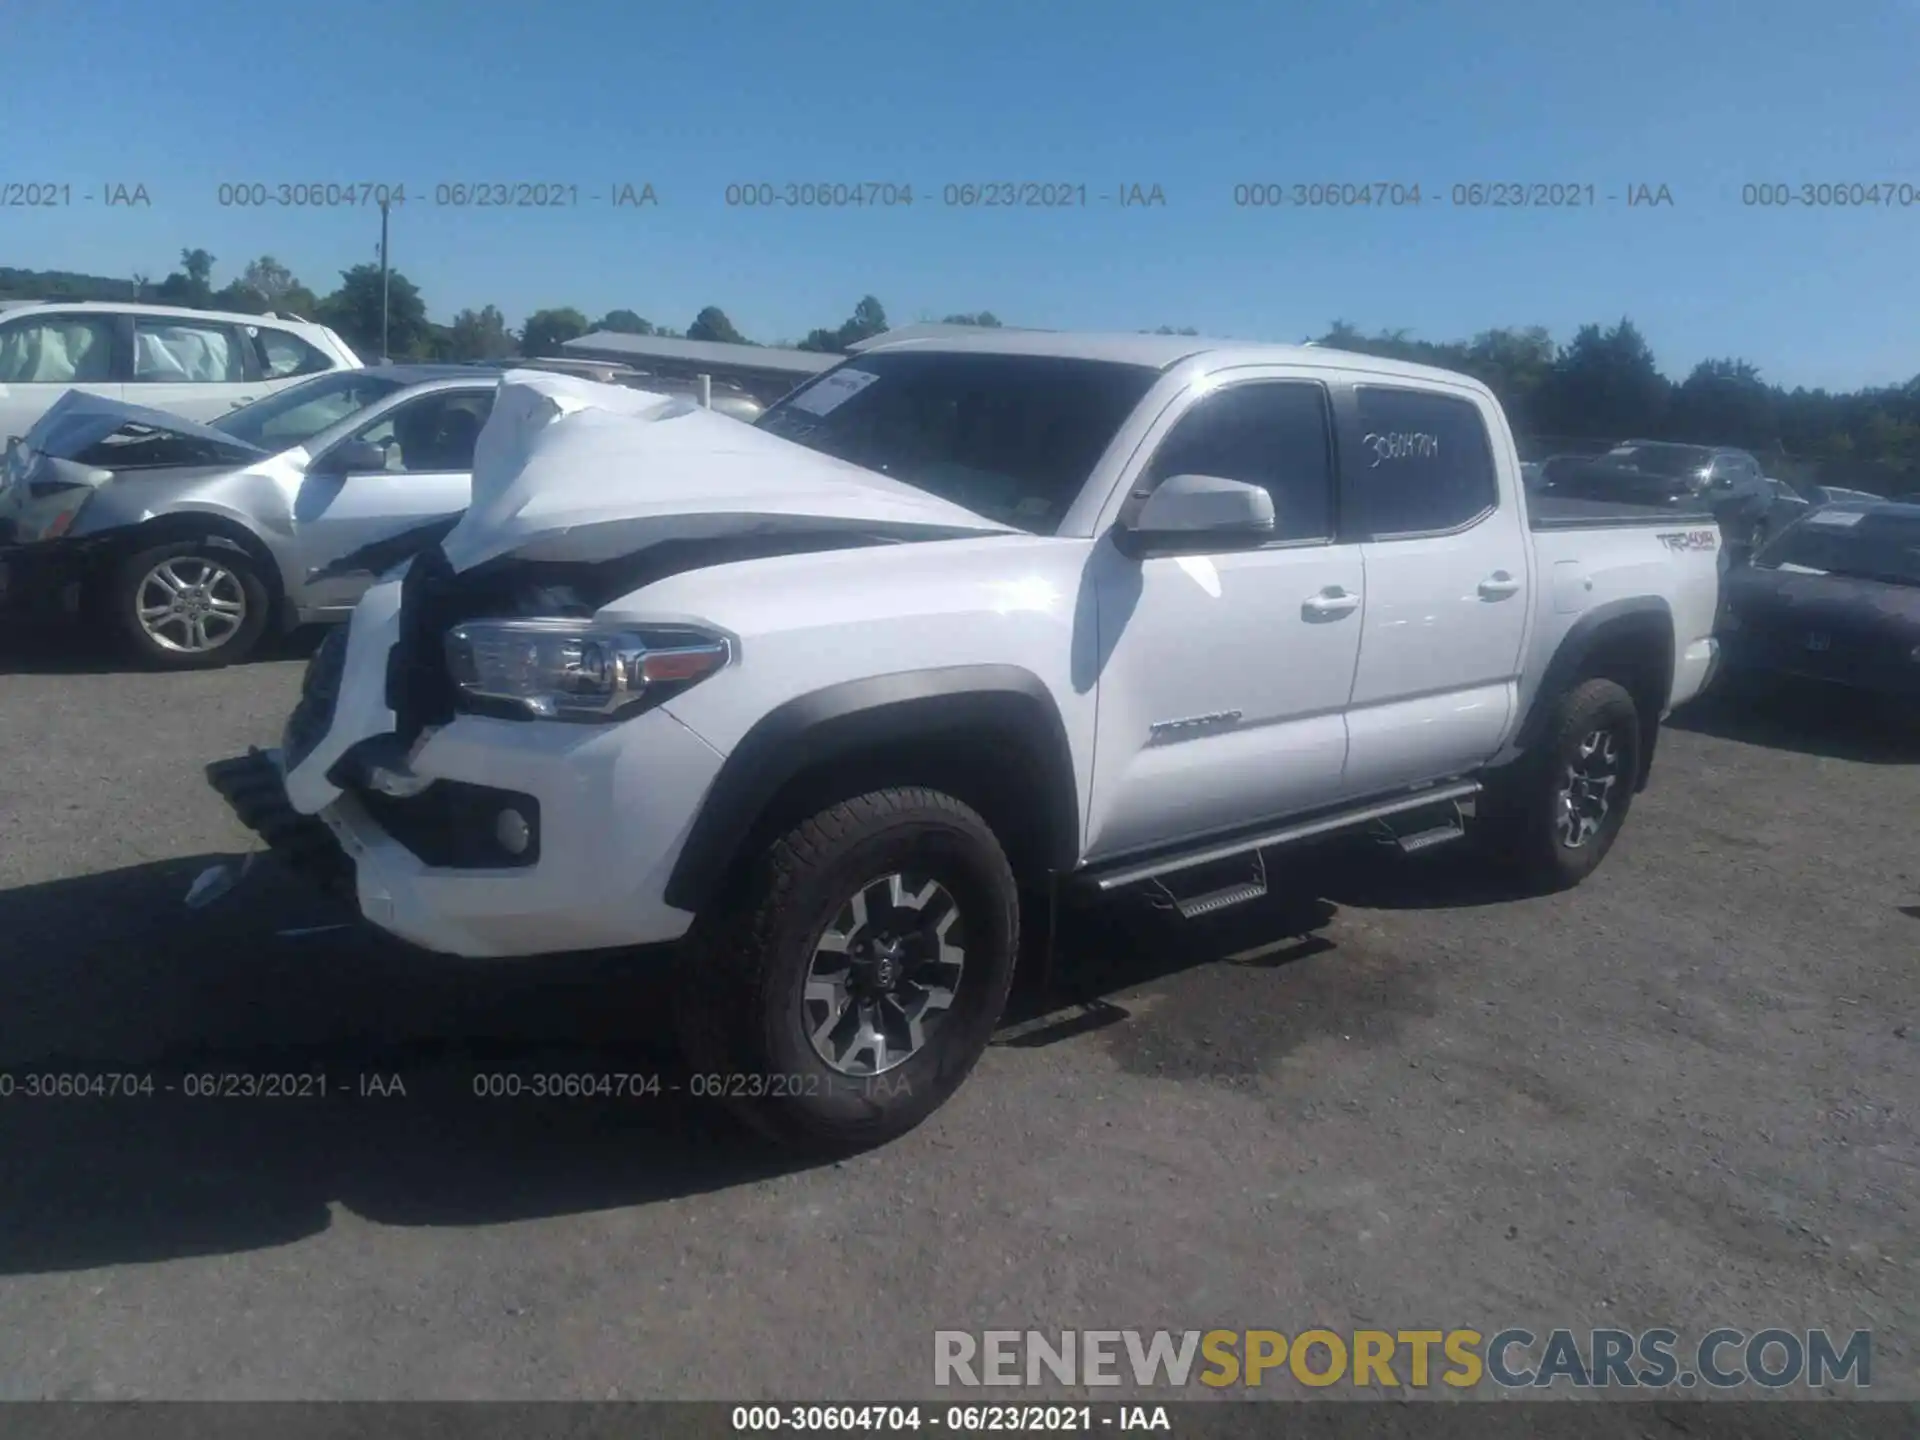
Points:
(1683, 1095)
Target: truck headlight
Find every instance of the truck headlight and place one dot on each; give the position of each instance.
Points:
(577, 669)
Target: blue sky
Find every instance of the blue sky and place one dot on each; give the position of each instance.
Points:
(1702, 96)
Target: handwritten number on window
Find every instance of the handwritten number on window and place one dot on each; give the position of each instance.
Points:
(1401, 445)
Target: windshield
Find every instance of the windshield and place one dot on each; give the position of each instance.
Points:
(1850, 543)
(1659, 459)
(1010, 437)
(295, 415)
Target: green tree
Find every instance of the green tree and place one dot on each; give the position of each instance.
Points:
(712, 324)
(354, 311)
(986, 320)
(546, 330)
(274, 288)
(1515, 364)
(624, 322)
(478, 335)
(1604, 384)
(1724, 402)
(192, 283)
(869, 318)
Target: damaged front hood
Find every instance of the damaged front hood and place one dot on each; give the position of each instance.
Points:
(568, 469)
(94, 430)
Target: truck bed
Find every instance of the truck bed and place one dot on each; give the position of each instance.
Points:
(1547, 511)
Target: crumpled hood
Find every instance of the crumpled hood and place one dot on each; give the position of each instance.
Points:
(78, 421)
(567, 468)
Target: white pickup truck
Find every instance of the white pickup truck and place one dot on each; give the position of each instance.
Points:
(837, 700)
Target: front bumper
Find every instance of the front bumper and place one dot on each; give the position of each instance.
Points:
(614, 810)
(1890, 674)
(614, 806)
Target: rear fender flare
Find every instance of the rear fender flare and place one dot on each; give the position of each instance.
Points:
(1644, 620)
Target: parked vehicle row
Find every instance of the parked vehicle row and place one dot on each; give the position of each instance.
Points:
(816, 701)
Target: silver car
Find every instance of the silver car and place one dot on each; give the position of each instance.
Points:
(190, 542)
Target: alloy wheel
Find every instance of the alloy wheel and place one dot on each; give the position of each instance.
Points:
(190, 604)
(883, 974)
(1586, 793)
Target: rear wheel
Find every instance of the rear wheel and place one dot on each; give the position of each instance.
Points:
(1557, 817)
(854, 975)
(188, 604)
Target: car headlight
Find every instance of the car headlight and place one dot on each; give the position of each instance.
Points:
(577, 669)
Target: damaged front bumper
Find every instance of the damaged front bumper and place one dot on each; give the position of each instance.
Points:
(256, 791)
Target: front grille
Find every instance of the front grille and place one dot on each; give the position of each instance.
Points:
(319, 693)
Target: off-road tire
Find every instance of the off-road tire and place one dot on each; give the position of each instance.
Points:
(738, 1000)
(1520, 816)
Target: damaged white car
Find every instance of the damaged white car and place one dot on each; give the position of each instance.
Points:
(837, 701)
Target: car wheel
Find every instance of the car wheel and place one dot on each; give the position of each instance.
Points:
(853, 976)
(188, 604)
(1557, 818)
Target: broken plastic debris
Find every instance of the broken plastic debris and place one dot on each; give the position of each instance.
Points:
(214, 882)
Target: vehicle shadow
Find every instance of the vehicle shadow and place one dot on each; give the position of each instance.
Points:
(58, 646)
(249, 1066)
(1806, 718)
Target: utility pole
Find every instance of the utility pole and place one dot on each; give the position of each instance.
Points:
(383, 283)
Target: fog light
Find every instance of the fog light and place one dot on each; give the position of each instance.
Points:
(513, 832)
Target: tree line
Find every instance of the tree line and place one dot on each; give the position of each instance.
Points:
(1601, 385)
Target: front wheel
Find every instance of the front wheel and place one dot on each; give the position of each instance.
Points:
(849, 982)
(188, 604)
(1559, 815)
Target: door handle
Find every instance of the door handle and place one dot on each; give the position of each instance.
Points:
(1331, 603)
(243, 400)
(1498, 586)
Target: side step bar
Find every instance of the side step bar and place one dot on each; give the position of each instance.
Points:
(1304, 830)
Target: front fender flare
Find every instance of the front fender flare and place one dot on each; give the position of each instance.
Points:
(834, 723)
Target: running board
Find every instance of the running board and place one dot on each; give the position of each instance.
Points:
(1427, 839)
(1288, 834)
(1192, 907)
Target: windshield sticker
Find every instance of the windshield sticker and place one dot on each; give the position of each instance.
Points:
(829, 393)
(1836, 517)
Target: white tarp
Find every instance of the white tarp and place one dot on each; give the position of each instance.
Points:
(560, 453)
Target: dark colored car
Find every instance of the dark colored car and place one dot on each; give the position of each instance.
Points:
(1792, 502)
(1659, 472)
(1833, 597)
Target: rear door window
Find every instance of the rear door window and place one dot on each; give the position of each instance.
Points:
(168, 351)
(1423, 463)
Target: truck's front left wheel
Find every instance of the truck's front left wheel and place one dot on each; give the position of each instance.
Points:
(851, 979)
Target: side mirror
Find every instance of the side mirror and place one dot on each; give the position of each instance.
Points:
(1199, 513)
(355, 457)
